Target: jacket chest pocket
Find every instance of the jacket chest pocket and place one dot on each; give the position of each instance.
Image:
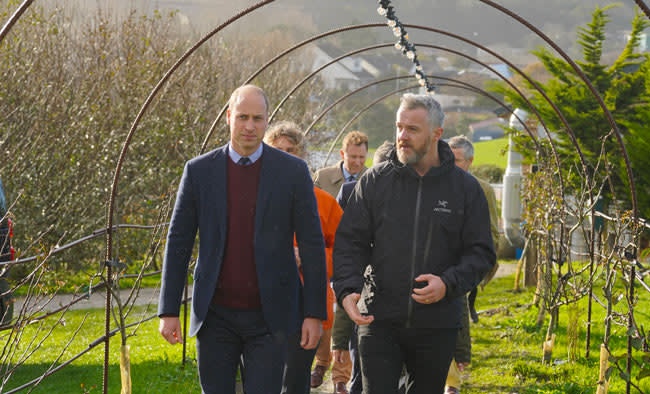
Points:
(451, 229)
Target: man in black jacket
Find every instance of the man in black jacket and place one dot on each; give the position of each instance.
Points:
(414, 238)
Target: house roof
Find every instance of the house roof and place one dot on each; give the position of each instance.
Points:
(486, 123)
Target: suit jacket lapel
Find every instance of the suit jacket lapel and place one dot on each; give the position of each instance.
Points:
(338, 179)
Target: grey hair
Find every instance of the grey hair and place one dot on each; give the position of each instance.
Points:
(426, 101)
(462, 142)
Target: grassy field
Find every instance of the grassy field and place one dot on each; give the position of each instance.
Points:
(490, 152)
(506, 353)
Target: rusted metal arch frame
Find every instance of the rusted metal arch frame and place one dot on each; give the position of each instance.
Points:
(514, 87)
(594, 92)
(552, 144)
(14, 18)
(643, 7)
(533, 83)
(258, 5)
(456, 84)
(628, 165)
(350, 93)
(420, 45)
(430, 29)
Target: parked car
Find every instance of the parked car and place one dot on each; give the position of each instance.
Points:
(7, 253)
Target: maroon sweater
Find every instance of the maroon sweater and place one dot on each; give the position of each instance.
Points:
(237, 285)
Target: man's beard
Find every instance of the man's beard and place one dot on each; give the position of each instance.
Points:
(417, 154)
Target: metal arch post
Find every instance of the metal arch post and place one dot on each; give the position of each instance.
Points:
(419, 27)
(643, 7)
(591, 87)
(461, 84)
(14, 18)
(513, 86)
(610, 119)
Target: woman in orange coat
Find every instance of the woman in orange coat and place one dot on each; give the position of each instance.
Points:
(287, 137)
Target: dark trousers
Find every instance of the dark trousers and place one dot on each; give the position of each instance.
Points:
(228, 335)
(356, 384)
(385, 347)
(297, 372)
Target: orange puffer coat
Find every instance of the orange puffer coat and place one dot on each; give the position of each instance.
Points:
(330, 214)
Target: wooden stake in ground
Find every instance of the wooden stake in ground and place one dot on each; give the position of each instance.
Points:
(548, 349)
(125, 369)
(603, 382)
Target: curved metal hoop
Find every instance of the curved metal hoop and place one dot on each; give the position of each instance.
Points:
(14, 18)
(501, 76)
(644, 7)
(594, 92)
(458, 84)
(113, 195)
(430, 29)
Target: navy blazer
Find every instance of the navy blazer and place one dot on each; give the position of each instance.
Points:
(344, 193)
(285, 205)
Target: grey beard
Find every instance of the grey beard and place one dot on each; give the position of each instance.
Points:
(416, 157)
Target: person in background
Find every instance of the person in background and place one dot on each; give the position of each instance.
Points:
(353, 152)
(340, 338)
(287, 137)
(413, 240)
(247, 201)
(463, 150)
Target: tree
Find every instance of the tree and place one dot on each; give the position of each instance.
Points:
(625, 88)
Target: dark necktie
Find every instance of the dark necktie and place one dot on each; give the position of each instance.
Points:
(351, 178)
(244, 161)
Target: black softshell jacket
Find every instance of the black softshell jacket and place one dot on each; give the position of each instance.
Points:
(398, 225)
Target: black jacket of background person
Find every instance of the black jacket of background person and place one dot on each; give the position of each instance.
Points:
(398, 225)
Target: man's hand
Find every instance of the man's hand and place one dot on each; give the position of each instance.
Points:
(170, 329)
(461, 366)
(434, 291)
(311, 332)
(297, 253)
(350, 306)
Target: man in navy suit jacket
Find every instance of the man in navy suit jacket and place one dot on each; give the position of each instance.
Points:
(246, 200)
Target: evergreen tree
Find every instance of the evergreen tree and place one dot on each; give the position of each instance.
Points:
(625, 88)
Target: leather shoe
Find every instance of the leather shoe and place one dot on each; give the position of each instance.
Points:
(451, 390)
(317, 375)
(339, 388)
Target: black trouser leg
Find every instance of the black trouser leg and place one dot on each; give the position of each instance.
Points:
(297, 372)
(385, 348)
(428, 355)
(381, 358)
(356, 385)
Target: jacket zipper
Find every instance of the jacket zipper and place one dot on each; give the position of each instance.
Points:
(414, 252)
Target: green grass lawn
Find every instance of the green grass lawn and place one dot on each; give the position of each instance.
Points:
(489, 152)
(156, 367)
(506, 352)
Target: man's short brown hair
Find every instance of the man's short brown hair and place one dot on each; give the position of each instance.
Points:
(288, 130)
(355, 138)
